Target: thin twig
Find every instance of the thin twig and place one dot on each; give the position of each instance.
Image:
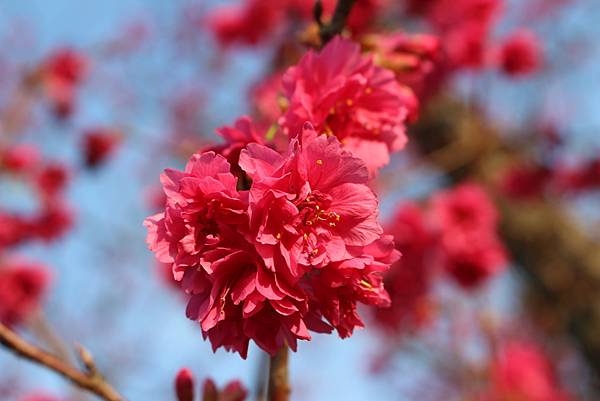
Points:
(338, 21)
(279, 386)
(89, 380)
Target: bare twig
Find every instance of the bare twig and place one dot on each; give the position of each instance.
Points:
(90, 380)
(338, 21)
(279, 386)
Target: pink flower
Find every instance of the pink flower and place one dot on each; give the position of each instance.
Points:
(521, 54)
(98, 145)
(521, 371)
(344, 94)
(232, 293)
(270, 262)
(467, 224)
(22, 287)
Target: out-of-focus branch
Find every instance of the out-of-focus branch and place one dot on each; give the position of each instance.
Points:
(89, 379)
(279, 386)
(338, 21)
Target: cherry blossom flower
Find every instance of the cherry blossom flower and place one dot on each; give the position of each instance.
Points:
(344, 94)
(294, 252)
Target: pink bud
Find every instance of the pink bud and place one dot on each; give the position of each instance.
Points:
(184, 385)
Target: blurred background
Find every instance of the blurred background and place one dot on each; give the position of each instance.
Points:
(148, 83)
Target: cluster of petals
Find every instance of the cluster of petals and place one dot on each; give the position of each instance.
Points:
(291, 245)
(185, 389)
(343, 93)
(49, 181)
(522, 371)
(22, 287)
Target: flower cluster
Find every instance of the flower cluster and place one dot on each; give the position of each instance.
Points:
(290, 244)
(22, 287)
(455, 234)
(343, 93)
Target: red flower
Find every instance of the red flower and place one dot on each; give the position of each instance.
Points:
(521, 371)
(62, 73)
(521, 54)
(22, 286)
(344, 94)
(98, 145)
(269, 263)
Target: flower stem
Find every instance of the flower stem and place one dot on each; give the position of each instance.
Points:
(279, 386)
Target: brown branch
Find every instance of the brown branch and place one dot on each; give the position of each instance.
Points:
(338, 21)
(279, 386)
(89, 380)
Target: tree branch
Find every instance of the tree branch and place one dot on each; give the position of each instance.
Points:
(338, 21)
(89, 380)
(279, 386)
